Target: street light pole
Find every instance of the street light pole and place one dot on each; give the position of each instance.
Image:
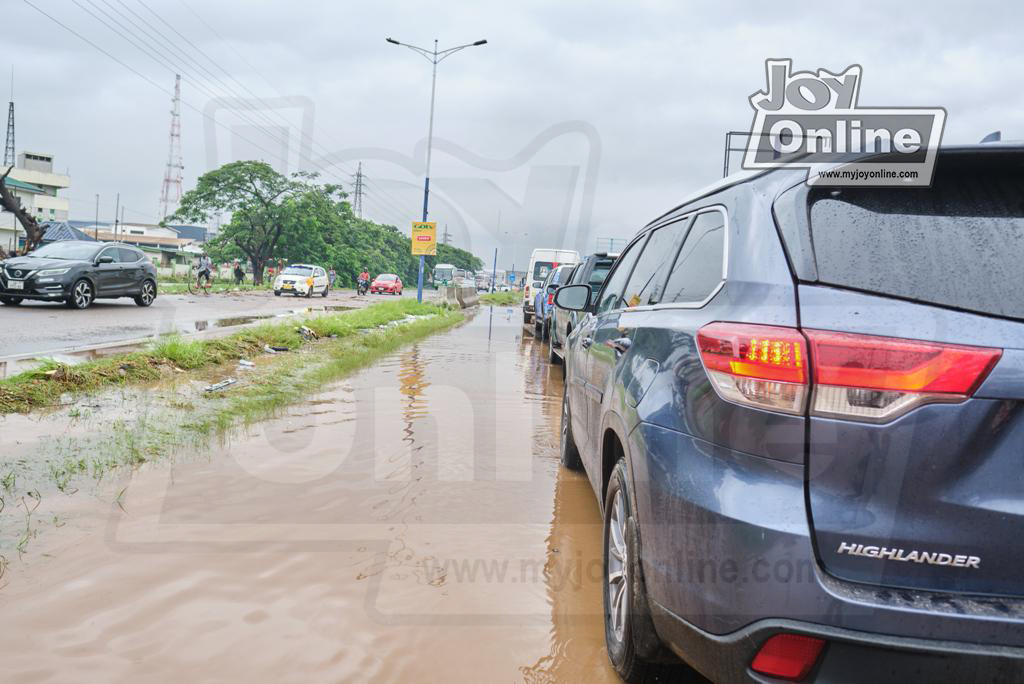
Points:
(435, 57)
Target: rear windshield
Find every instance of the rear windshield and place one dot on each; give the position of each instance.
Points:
(600, 272)
(542, 268)
(959, 243)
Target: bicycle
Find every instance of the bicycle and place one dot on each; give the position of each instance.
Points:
(201, 283)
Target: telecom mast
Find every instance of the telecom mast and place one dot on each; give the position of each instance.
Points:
(358, 200)
(9, 147)
(170, 195)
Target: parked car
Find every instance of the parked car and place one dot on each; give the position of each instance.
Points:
(386, 283)
(545, 297)
(303, 280)
(78, 272)
(542, 262)
(591, 271)
(805, 432)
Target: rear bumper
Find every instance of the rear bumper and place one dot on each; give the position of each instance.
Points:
(727, 551)
(849, 656)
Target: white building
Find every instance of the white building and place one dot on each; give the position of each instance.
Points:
(36, 185)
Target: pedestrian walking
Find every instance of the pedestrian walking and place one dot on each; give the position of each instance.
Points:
(332, 275)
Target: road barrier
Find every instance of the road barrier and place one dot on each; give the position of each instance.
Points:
(467, 296)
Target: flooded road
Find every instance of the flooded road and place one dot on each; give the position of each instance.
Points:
(411, 523)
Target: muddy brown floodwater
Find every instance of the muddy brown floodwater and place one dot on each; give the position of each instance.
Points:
(408, 524)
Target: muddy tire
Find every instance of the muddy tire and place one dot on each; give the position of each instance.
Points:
(147, 294)
(633, 646)
(11, 301)
(82, 295)
(569, 454)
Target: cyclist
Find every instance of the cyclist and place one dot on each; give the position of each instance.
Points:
(204, 269)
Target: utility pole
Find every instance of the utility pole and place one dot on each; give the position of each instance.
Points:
(170, 194)
(434, 57)
(117, 209)
(9, 157)
(96, 226)
(444, 238)
(357, 201)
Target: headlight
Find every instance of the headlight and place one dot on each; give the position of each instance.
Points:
(53, 271)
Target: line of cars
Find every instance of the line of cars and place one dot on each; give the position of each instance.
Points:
(801, 410)
(78, 272)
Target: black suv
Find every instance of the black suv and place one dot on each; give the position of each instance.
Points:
(77, 272)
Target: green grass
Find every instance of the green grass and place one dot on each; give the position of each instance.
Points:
(172, 288)
(501, 298)
(296, 378)
(43, 386)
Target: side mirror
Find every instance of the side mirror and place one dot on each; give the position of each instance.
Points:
(552, 288)
(573, 297)
(105, 259)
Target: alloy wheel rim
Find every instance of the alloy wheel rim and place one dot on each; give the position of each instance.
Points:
(618, 568)
(82, 294)
(147, 293)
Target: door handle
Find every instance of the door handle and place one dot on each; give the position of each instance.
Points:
(620, 344)
(585, 342)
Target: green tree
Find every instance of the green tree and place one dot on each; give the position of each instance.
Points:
(262, 204)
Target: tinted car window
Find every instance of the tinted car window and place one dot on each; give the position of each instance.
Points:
(611, 295)
(112, 252)
(648, 279)
(959, 243)
(128, 256)
(698, 268)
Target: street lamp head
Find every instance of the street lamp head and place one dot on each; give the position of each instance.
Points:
(480, 42)
(392, 40)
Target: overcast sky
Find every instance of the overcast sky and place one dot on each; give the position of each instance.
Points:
(633, 97)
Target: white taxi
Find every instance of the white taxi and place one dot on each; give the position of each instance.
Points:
(302, 280)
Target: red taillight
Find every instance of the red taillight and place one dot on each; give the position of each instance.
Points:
(788, 656)
(760, 365)
(863, 377)
(551, 299)
(886, 363)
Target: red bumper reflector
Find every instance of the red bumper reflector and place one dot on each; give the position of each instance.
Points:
(788, 656)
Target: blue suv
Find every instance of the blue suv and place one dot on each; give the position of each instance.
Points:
(802, 411)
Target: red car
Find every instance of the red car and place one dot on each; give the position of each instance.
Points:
(386, 283)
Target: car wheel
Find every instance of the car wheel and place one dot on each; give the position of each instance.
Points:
(11, 301)
(277, 293)
(309, 292)
(633, 646)
(324, 293)
(526, 318)
(569, 453)
(147, 294)
(82, 294)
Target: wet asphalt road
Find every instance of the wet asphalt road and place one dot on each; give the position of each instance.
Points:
(410, 523)
(41, 327)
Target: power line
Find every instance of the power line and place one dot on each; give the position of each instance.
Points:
(159, 60)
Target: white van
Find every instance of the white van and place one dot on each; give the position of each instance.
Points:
(542, 262)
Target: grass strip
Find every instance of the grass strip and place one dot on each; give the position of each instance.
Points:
(45, 385)
(297, 378)
(501, 298)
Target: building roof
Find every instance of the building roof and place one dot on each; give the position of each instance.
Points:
(144, 240)
(22, 185)
(61, 230)
(197, 233)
